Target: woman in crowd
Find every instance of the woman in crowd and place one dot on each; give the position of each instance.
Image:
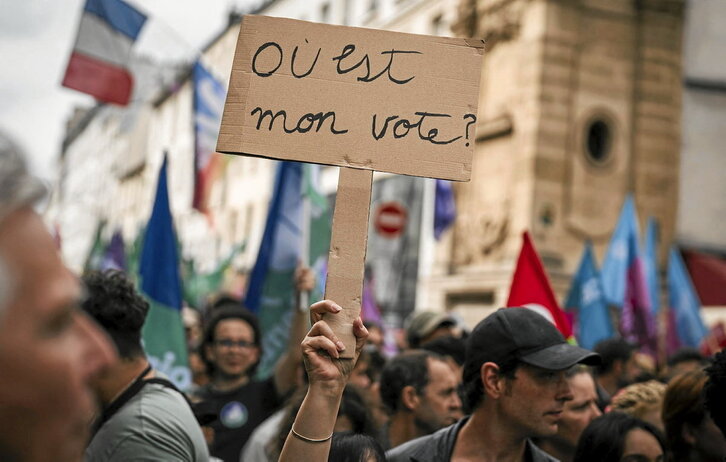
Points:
(642, 400)
(691, 435)
(619, 437)
(311, 432)
(355, 447)
(353, 417)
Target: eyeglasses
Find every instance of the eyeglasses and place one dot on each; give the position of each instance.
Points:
(226, 343)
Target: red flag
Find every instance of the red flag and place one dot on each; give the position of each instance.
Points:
(531, 288)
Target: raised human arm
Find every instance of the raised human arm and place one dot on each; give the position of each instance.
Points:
(286, 367)
(309, 439)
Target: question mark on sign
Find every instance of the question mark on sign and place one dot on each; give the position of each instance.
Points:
(472, 121)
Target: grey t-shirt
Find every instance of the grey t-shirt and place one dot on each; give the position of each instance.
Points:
(155, 425)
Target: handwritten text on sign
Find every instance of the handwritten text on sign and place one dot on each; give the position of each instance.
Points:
(354, 97)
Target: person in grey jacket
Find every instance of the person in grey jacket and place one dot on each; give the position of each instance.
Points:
(514, 388)
(144, 416)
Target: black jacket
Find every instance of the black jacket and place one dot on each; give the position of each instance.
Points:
(438, 447)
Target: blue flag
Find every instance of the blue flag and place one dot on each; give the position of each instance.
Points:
(270, 292)
(684, 302)
(586, 300)
(624, 281)
(209, 95)
(444, 207)
(650, 264)
(281, 240)
(163, 332)
(621, 255)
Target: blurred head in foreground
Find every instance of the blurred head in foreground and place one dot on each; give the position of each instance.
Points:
(50, 352)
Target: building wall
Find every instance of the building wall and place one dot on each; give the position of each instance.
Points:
(701, 207)
(551, 69)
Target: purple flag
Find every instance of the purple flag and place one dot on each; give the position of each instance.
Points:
(444, 207)
(115, 255)
(369, 308)
(625, 284)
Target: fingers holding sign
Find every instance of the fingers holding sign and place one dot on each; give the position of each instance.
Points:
(309, 438)
(321, 347)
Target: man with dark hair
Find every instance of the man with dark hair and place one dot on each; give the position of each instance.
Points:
(686, 359)
(50, 351)
(451, 348)
(144, 415)
(617, 369)
(419, 389)
(715, 391)
(232, 350)
(515, 388)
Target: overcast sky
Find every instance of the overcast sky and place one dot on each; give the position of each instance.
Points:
(36, 39)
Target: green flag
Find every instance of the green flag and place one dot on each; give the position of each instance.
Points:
(270, 292)
(197, 285)
(163, 332)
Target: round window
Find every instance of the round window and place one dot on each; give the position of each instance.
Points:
(598, 141)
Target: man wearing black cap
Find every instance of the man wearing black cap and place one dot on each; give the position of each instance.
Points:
(514, 388)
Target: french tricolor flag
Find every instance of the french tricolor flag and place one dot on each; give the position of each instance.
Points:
(98, 65)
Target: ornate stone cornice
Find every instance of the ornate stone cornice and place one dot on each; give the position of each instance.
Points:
(492, 20)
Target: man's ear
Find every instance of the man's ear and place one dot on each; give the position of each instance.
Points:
(255, 354)
(491, 379)
(410, 398)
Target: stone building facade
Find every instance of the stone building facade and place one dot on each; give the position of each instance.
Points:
(579, 106)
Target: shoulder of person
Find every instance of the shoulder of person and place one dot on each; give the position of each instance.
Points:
(538, 455)
(436, 447)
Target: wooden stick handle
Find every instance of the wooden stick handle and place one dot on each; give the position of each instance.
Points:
(346, 260)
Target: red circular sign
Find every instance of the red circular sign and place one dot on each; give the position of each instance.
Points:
(390, 219)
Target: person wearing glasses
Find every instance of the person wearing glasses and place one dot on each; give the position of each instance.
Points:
(232, 349)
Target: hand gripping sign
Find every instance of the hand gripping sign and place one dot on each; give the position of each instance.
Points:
(362, 99)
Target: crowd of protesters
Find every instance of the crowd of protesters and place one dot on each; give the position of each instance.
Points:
(76, 384)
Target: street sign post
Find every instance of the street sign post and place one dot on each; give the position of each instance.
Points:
(360, 99)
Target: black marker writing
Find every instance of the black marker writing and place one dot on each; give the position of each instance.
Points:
(350, 48)
(260, 50)
(312, 66)
(402, 127)
(304, 123)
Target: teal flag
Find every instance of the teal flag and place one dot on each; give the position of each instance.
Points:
(98, 249)
(163, 332)
(133, 255)
(198, 286)
(270, 292)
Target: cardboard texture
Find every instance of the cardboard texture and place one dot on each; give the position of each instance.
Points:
(310, 92)
(352, 97)
(346, 260)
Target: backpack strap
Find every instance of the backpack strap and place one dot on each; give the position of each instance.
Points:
(119, 402)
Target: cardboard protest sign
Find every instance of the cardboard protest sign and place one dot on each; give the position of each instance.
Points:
(352, 97)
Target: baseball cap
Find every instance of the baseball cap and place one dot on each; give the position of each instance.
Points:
(423, 323)
(522, 334)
